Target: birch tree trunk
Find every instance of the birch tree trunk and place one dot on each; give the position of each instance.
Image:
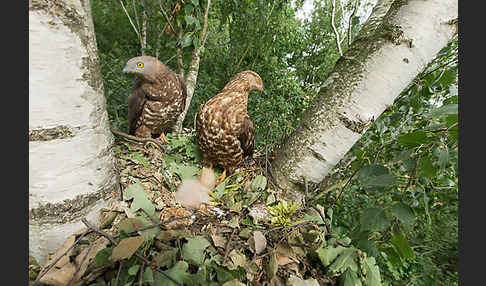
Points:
(72, 172)
(399, 39)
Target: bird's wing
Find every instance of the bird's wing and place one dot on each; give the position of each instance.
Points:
(136, 100)
(246, 135)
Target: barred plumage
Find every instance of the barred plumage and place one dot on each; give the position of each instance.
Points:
(224, 127)
(157, 99)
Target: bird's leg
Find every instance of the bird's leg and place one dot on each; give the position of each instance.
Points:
(221, 177)
(163, 138)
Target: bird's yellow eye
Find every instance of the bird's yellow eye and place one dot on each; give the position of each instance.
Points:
(139, 65)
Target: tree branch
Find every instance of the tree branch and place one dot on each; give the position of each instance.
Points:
(130, 19)
(338, 42)
(350, 25)
(202, 39)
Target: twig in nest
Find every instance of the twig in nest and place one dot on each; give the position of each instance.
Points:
(157, 224)
(226, 251)
(143, 258)
(118, 273)
(36, 282)
(80, 264)
(142, 268)
(156, 279)
(135, 139)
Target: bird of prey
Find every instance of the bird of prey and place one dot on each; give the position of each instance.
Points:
(224, 127)
(156, 100)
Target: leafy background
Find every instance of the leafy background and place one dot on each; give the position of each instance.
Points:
(394, 195)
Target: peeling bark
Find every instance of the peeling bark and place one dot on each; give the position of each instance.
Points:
(364, 82)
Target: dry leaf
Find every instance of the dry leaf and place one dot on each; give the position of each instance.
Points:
(260, 241)
(126, 248)
(64, 270)
(218, 240)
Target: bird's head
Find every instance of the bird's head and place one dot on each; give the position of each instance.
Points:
(256, 82)
(144, 67)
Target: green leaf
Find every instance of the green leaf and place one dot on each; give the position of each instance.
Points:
(448, 77)
(186, 171)
(413, 139)
(426, 167)
(404, 213)
(350, 278)
(219, 191)
(402, 246)
(188, 9)
(133, 270)
(449, 109)
(443, 157)
(148, 234)
(392, 256)
(373, 277)
(404, 155)
(186, 41)
(140, 200)
(328, 254)
(102, 258)
(346, 260)
(195, 2)
(193, 250)
(368, 246)
(372, 171)
(259, 183)
(190, 19)
(178, 272)
(451, 119)
(373, 219)
(167, 257)
(380, 181)
(148, 275)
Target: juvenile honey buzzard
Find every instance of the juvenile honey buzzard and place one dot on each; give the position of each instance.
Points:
(224, 127)
(157, 99)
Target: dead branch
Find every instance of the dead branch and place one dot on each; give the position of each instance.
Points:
(80, 264)
(130, 19)
(135, 139)
(227, 248)
(36, 282)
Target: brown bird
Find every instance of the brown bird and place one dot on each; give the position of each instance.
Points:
(224, 127)
(157, 99)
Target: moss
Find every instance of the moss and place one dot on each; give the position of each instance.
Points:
(58, 132)
(69, 210)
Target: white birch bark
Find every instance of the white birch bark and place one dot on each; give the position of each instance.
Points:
(71, 165)
(364, 82)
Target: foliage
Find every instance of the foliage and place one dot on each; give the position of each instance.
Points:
(401, 203)
(399, 208)
(278, 50)
(283, 212)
